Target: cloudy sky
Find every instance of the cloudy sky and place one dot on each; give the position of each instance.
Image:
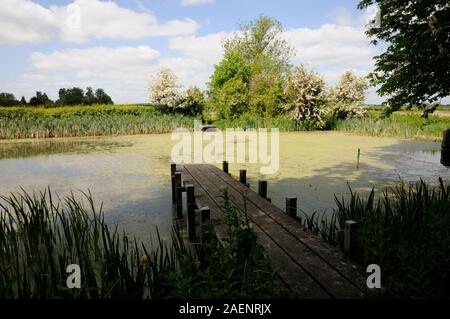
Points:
(118, 45)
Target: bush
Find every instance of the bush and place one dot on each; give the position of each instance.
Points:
(306, 97)
(191, 102)
(231, 99)
(348, 96)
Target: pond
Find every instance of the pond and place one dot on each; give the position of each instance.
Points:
(130, 174)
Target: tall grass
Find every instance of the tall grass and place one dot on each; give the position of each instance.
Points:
(406, 231)
(27, 122)
(397, 125)
(41, 235)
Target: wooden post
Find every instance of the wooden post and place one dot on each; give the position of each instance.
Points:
(291, 206)
(243, 177)
(262, 188)
(225, 166)
(205, 214)
(357, 158)
(350, 239)
(190, 205)
(178, 195)
(173, 168)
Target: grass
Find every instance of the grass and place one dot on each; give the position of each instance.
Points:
(40, 235)
(405, 231)
(401, 125)
(29, 122)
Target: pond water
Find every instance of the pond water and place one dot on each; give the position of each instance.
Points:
(130, 174)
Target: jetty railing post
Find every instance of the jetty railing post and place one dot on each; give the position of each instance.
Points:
(262, 188)
(173, 168)
(291, 206)
(178, 195)
(225, 166)
(205, 216)
(350, 238)
(243, 177)
(190, 205)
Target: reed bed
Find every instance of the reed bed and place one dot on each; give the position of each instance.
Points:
(98, 120)
(406, 231)
(397, 125)
(40, 235)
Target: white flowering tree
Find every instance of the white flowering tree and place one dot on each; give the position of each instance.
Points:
(164, 89)
(306, 95)
(348, 96)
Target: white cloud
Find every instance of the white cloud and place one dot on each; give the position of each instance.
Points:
(195, 2)
(105, 19)
(23, 21)
(207, 48)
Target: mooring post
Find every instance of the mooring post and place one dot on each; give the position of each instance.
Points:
(291, 206)
(350, 238)
(243, 177)
(178, 195)
(173, 168)
(262, 188)
(357, 158)
(225, 166)
(190, 205)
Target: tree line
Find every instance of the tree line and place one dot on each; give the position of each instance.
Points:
(66, 96)
(255, 76)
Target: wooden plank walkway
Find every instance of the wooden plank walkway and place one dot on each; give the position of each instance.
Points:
(309, 267)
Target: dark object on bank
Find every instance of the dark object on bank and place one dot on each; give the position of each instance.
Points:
(445, 150)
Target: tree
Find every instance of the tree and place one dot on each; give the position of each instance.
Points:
(256, 62)
(164, 89)
(89, 97)
(23, 101)
(415, 68)
(8, 99)
(191, 102)
(72, 96)
(102, 98)
(306, 97)
(231, 99)
(266, 95)
(348, 97)
(40, 99)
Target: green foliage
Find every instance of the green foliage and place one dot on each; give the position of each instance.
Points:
(405, 231)
(8, 99)
(41, 236)
(41, 99)
(76, 96)
(408, 125)
(26, 122)
(192, 102)
(415, 67)
(254, 67)
(231, 99)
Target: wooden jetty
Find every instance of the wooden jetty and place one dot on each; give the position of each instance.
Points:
(306, 265)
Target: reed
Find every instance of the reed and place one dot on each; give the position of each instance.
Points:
(40, 235)
(405, 231)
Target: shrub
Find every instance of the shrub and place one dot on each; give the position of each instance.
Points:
(164, 89)
(191, 102)
(348, 96)
(306, 97)
(231, 99)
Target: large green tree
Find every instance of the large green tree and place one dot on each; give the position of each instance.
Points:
(414, 70)
(255, 66)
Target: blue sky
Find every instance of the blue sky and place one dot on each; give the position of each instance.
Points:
(119, 45)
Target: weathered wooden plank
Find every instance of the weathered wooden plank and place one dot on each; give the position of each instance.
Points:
(299, 281)
(326, 252)
(316, 268)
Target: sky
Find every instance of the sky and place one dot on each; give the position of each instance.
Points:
(119, 45)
